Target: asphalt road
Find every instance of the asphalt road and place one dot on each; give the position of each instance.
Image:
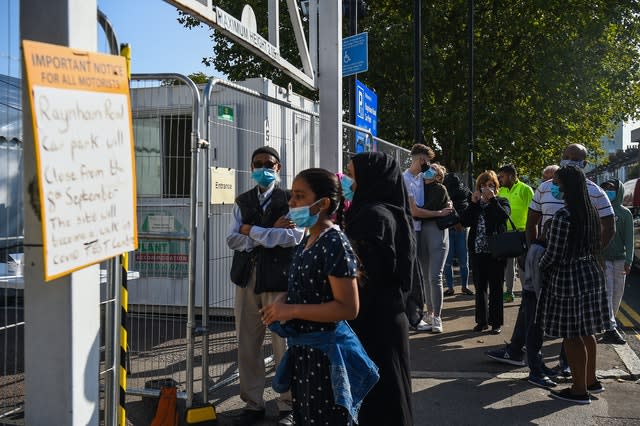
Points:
(629, 315)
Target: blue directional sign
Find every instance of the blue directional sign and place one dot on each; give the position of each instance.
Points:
(366, 117)
(355, 56)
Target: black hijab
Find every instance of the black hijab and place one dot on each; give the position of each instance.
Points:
(379, 182)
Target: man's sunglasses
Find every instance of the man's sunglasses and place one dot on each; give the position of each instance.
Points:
(265, 164)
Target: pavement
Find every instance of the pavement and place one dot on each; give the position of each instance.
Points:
(455, 383)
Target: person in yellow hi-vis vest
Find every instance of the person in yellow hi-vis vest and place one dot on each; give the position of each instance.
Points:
(519, 195)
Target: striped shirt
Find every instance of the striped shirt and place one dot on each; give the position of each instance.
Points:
(546, 204)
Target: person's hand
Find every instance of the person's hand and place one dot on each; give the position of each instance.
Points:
(276, 311)
(488, 194)
(627, 269)
(444, 212)
(245, 229)
(475, 197)
(284, 222)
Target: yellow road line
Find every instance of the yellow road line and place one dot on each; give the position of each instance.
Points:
(625, 310)
(623, 319)
(630, 312)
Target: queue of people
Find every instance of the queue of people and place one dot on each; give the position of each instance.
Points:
(333, 282)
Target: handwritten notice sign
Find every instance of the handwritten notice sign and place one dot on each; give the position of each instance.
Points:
(223, 185)
(84, 153)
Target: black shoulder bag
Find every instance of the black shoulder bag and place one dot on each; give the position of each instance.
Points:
(444, 222)
(509, 243)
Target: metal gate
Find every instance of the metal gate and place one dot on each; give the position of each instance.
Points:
(166, 118)
(241, 118)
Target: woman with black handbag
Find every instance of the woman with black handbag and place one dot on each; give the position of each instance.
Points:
(486, 215)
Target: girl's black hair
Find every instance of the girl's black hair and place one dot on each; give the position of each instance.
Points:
(323, 183)
(585, 222)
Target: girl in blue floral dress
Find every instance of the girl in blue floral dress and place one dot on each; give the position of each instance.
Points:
(323, 291)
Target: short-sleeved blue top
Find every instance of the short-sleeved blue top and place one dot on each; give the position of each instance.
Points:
(310, 269)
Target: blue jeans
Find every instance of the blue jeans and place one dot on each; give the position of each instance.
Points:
(457, 248)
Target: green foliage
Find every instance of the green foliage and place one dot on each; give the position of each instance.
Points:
(196, 77)
(547, 73)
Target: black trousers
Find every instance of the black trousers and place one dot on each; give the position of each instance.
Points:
(488, 278)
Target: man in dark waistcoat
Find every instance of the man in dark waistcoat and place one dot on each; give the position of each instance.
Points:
(263, 240)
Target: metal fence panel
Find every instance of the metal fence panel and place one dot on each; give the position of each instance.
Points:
(357, 139)
(11, 223)
(160, 301)
(263, 114)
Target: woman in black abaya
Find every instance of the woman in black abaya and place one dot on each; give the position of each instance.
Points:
(379, 227)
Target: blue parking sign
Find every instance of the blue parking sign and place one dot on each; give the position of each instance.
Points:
(366, 117)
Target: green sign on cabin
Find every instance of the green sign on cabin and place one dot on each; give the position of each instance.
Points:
(225, 113)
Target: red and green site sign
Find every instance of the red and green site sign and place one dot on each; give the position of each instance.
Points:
(158, 258)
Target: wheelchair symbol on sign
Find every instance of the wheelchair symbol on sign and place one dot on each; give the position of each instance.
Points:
(346, 58)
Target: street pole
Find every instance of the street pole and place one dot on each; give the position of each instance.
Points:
(417, 69)
(470, 96)
(353, 28)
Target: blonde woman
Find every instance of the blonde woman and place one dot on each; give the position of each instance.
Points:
(486, 215)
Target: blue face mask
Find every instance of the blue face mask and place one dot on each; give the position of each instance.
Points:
(611, 195)
(347, 183)
(429, 174)
(555, 191)
(264, 177)
(302, 216)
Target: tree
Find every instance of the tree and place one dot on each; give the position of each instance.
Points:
(546, 74)
(197, 77)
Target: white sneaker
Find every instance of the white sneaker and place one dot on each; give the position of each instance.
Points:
(429, 318)
(423, 326)
(436, 325)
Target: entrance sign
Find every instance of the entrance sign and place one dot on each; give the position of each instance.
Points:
(366, 117)
(223, 185)
(355, 56)
(84, 154)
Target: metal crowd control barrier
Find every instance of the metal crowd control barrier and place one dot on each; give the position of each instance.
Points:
(241, 118)
(358, 139)
(166, 115)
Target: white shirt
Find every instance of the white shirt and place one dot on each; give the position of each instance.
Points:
(545, 203)
(415, 190)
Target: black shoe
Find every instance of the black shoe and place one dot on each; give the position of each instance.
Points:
(613, 337)
(480, 327)
(248, 417)
(595, 387)
(467, 291)
(449, 292)
(496, 329)
(286, 418)
(566, 395)
(560, 371)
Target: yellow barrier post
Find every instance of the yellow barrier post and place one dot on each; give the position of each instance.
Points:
(124, 307)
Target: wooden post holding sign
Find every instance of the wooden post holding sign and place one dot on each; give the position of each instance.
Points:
(223, 185)
(84, 153)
